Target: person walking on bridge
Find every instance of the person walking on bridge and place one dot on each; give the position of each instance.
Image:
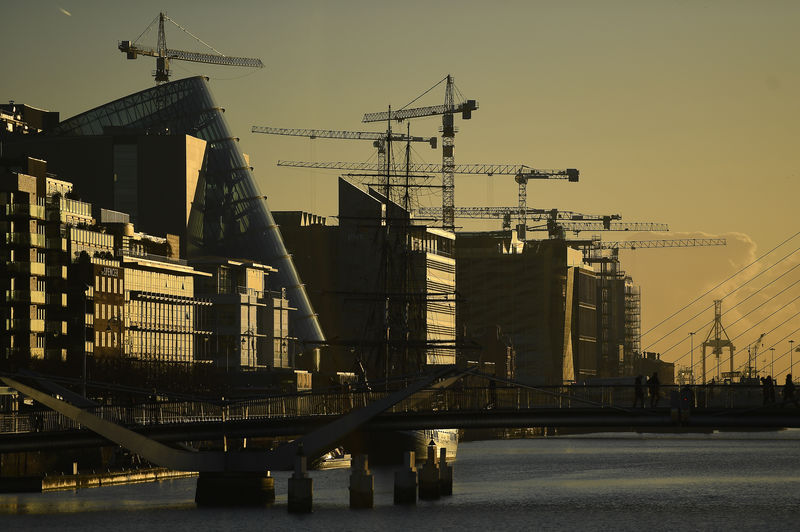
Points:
(638, 391)
(788, 391)
(653, 385)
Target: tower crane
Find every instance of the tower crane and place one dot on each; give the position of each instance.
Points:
(163, 54)
(447, 110)
(554, 217)
(668, 243)
(378, 139)
(608, 272)
(522, 174)
(593, 249)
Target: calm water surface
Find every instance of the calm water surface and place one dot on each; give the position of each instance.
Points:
(733, 481)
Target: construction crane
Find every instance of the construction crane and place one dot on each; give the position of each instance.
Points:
(558, 229)
(447, 110)
(607, 268)
(378, 139)
(522, 174)
(670, 243)
(594, 249)
(163, 54)
(554, 217)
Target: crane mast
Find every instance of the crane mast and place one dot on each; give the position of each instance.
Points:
(447, 111)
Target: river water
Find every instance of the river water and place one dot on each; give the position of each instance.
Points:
(720, 481)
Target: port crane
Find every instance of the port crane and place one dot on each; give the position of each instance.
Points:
(163, 54)
(379, 139)
(447, 110)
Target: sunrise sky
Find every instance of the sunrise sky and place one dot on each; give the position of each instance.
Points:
(678, 112)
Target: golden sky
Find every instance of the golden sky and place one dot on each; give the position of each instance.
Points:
(678, 112)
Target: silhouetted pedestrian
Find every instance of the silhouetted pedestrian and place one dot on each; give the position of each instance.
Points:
(788, 391)
(770, 389)
(687, 398)
(638, 391)
(653, 386)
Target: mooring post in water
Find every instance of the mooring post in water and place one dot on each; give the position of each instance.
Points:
(362, 485)
(405, 480)
(445, 474)
(429, 476)
(300, 485)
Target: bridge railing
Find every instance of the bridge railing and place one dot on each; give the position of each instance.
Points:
(337, 403)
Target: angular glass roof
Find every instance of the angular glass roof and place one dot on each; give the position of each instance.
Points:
(229, 216)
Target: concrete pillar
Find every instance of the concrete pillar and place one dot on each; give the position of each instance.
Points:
(362, 485)
(445, 474)
(235, 489)
(300, 486)
(429, 476)
(405, 481)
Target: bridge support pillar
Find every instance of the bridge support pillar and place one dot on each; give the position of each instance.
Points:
(235, 489)
(445, 474)
(429, 488)
(300, 486)
(362, 485)
(405, 481)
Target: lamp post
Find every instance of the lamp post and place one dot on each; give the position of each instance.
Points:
(772, 363)
(691, 357)
(791, 362)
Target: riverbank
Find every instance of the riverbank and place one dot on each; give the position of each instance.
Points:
(37, 484)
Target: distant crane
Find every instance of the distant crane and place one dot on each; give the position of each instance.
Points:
(717, 339)
(378, 139)
(669, 243)
(607, 267)
(559, 229)
(163, 54)
(447, 110)
(554, 217)
(752, 357)
(569, 174)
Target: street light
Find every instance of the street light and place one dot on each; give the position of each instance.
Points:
(791, 363)
(772, 364)
(691, 357)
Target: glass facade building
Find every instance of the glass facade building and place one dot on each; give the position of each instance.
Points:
(229, 216)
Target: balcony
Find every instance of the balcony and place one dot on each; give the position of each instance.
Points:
(22, 296)
(33, 326)
(25, 210)
(25, 239)
(29, 268)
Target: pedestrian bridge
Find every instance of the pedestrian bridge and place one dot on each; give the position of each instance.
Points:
(495, 405)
